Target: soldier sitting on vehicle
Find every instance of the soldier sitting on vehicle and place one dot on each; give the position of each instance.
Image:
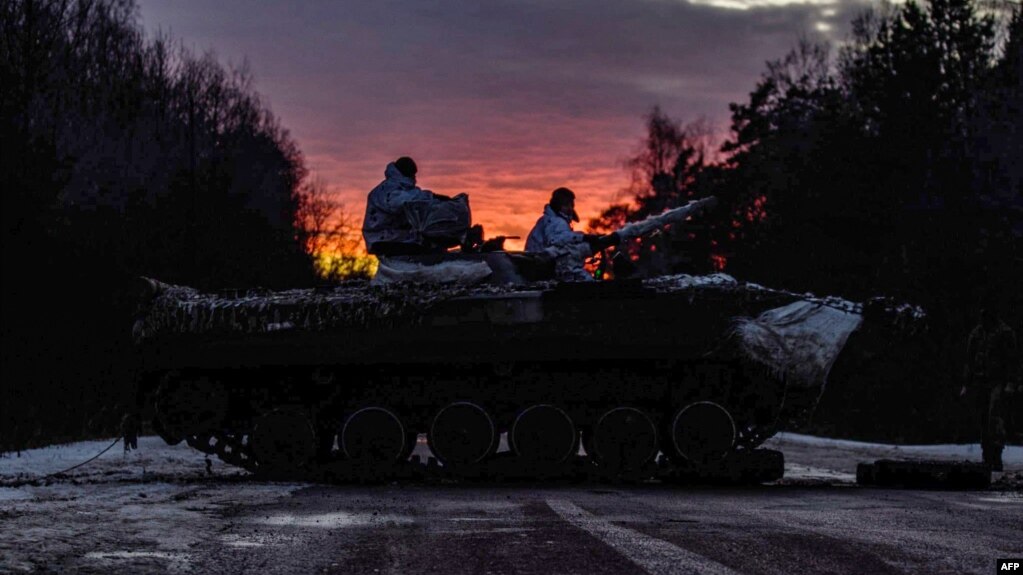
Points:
(990, 373)
(553, 232)
(403, 219)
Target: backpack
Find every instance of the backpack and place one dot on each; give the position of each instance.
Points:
(440, 221)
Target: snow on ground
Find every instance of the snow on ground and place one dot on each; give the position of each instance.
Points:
(161, 498)
(23, 476)
(1011, 457)
(834, 460)
(806, 457)
(153, 458)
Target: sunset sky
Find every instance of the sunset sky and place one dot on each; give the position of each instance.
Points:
(505, 100)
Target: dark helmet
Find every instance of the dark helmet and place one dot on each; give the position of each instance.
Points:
(406, 166)
(562, 197)
(988, 314)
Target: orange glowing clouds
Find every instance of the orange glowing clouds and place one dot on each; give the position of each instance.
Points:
(503, 100)
(506, 200)
(507, 165)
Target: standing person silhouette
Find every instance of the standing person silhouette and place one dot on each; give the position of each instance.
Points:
(990, 373)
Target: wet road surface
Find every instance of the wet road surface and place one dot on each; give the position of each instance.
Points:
(225, 527)
(175, 518)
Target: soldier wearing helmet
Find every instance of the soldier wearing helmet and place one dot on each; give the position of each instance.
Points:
(553, 235)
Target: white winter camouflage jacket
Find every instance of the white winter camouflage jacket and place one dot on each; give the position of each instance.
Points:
(385, 221)
(553, 234)
(551, 230)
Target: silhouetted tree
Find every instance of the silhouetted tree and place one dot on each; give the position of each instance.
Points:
(331, 235)
(808, 214)
(913, 77)
(665, 173)
(998, 143)
(122, 156)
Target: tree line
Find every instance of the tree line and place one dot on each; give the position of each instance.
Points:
(891, 167)
(124, 155)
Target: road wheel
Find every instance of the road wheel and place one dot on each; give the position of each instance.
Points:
(623, 439)
(462, 433)
(543, 434)
(374, 436)
(702, 431)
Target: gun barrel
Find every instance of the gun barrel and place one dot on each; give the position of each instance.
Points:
(660, 221)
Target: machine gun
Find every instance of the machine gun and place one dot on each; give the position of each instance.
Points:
(474, 242)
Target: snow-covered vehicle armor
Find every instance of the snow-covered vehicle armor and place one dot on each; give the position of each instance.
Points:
(623, 378)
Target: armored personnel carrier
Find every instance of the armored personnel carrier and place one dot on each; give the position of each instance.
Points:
(641, 376)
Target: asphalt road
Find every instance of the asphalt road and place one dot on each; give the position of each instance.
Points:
(185, 521)
(638, 530)
(502, 529)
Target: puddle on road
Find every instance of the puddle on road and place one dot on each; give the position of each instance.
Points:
(173, 559)
(241, 543)
(1003, 498)
(131, 555)
(521, 531)
(14, 494)
(257, 540)
(238, 541)
(332, 520)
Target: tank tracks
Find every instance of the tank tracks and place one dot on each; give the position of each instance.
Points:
(231, 449)
(310, 431)
(284, 451)
(739, 468)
